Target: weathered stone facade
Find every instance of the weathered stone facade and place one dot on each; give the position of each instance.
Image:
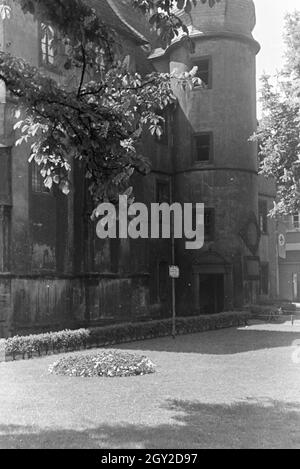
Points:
(55, 273)
(288, 232)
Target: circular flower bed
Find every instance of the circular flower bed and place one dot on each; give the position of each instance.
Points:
(108, 363)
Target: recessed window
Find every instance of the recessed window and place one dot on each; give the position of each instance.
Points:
(204, 72)
(37, 181)
(47, 35)
(5, 176)
(163, 195)
(102, 61)
(296, 220)
(203, 147)
(162, 192)
(209, 223)
(164, 124)
(263, 216)
(115, 251)
(115, 246)
(264, 279)
(129, 62)
(5, 213)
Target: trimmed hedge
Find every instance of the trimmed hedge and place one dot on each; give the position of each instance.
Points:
(46, 343)
(286, 305)
(55, 342)
(262, 310)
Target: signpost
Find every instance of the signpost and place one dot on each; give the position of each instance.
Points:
(174, 273)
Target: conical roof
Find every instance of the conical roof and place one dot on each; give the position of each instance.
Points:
(120, 15)
(235, 16)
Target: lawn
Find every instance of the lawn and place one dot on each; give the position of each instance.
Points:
(233, 388)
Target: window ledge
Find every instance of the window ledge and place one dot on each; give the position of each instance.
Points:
(203, 164)
(55, 69)
(42, 194)
(201, 88)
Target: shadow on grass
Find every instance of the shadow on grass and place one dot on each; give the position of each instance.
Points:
(247, 424)
(221, 342)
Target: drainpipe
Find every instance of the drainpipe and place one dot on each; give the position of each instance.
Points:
(277, 261)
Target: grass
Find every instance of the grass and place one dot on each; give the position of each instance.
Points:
(234, 388)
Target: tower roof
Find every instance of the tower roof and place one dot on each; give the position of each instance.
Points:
(235, 18)
(120, 15)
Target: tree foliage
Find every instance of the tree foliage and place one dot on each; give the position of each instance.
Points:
(100, 119)
(279, 131)
(163, 16)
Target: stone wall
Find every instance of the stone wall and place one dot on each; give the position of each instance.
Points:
(59, 274)
(32, 304)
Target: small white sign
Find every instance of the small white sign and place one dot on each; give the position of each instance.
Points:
(282, 246)
(174, 271)
(281, 239)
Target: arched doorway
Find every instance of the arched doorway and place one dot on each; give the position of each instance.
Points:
(212, 284)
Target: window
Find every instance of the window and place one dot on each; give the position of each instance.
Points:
(115, 251)
(263, 216)
(47, 36)
(115, 246)
(37, 181)
(5, 176)
(129, 62)
(209, 223)
(162, 192)
(5, 233)
(203, 147)
(264, 279)
(164, 138)
(163, 195)
(102, 61)
(296, 220)
(204, 72)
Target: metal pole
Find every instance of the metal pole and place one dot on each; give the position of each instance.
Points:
(173, 306)
(277, 260)
(173, 263)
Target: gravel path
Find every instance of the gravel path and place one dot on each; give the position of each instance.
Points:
(234, 388)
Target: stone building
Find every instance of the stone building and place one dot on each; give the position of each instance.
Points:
(289, 257)
(268, 248)
(55, 273)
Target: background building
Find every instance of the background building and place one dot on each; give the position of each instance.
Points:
(268, 247)
(289, 258)
(54, 272)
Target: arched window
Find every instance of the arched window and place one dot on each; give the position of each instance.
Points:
(47, 35)
(37, 181)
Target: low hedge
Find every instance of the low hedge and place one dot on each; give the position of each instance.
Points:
(262, 310)
(286, 305)
(68, 340)
(46, 343)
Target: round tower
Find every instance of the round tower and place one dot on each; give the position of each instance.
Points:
(213, 160)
